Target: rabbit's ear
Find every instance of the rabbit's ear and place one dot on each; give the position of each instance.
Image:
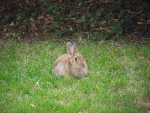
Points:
(71, 48)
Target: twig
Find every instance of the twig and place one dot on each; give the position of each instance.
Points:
(132, 12)
(44, 12)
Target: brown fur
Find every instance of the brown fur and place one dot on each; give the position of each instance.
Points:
(72, 63)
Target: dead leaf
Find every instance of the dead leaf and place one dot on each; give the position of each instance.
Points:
(140, 23)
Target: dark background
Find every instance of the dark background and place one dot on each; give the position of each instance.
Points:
(94, 19)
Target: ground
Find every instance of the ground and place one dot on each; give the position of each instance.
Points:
(118, 79)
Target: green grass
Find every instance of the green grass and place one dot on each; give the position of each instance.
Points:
(118, 80)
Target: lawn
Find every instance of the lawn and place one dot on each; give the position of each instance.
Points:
(118, 79)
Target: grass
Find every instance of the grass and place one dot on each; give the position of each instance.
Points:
(118, 80)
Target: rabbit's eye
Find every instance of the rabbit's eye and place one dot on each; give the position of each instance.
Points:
(75, 59)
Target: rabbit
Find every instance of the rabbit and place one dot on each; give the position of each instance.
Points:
(71, 64)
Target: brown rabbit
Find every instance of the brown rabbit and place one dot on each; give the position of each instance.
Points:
(72, 63)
